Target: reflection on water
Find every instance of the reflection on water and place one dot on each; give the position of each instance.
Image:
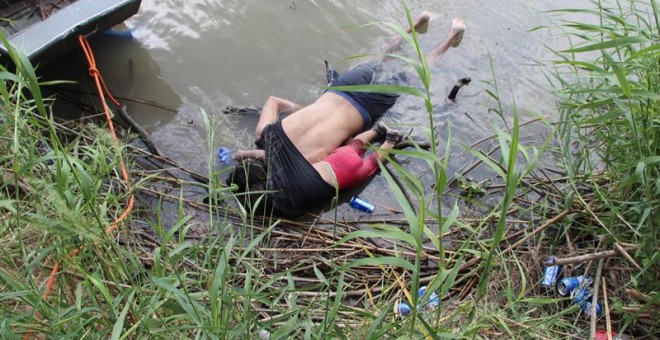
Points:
(129, 72)
(206, 55)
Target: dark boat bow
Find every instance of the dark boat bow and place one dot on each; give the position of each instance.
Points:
(57, 27)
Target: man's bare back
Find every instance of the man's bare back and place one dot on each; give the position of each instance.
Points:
(323, 126)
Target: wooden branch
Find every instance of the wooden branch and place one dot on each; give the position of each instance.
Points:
(586, 257)
(143, 133)
(581, 258)
(538, 230)
(594, 298)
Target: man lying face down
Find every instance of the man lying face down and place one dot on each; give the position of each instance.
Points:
(291, 162)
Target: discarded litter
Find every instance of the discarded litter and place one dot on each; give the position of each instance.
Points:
(362, 205)
(550, 273)
(124, 33)
(263, 334)
(568, 284)
(583, 297)
(402, 309)
(434, 300)
(224, 155)
(602, 335)
(577, 287)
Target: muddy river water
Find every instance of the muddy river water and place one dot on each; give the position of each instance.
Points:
(183, 57)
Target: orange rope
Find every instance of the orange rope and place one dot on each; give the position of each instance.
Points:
(103, 91)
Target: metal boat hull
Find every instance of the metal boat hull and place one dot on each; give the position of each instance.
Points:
(50, 38)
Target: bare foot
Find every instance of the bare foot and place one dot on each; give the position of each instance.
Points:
(453, 39)
(456, 31)
(422, 23)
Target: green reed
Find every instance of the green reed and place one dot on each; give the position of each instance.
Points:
(418, 209)
(609, 103)
(57, 195)
(610, 117)
(61, 193)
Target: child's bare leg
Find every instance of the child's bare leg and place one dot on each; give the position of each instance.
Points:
(367, 136)
(421, 26)
(392, 137)
(382, 150)
(453, 39)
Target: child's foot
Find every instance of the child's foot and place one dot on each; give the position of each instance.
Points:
(456, 31)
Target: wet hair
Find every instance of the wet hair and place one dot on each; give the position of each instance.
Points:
(250, 176)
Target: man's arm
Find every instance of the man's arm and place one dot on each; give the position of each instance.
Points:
(240, 155)
(271, 111)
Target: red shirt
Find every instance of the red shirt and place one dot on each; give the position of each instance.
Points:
(349, 167)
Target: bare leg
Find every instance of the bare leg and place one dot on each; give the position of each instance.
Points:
(370, 135)
(421, 26)
(381, 151)
(367, 136)
(453, 39)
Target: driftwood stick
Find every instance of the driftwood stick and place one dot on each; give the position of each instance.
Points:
(143, 133)
(637, 295)
(594, 298)
(198, 177)
(407, 143)
(402, 187)
(9, 178)
(61, 90)
(581, 258)
(584, 258)
(626, 255)
(606, 308)
(538, 230)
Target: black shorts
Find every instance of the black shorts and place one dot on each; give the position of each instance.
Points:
(296, 186)
(370, 105)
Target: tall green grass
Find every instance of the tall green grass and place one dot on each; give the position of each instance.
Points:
(608, 85)
(610, 124)
(419, 206)
(65, 190)
(56, 197)
(231, 276)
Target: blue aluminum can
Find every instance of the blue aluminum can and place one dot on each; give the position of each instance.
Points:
(586, 308)
(567, 285)
(550, 274)
(402, 309)
(582, 297)
(362, 205)
(223, 154)
(434, 300)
